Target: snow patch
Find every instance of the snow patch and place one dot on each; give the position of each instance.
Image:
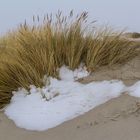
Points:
(61, 100)
(69, 75)
(134, 90)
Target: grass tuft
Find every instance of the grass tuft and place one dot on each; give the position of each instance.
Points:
(31, 52)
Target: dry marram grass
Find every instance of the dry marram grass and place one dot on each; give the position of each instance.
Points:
(31, 52)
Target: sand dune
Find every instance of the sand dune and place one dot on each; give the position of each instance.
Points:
(118, 119)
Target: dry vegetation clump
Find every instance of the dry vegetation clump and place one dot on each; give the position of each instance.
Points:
(31, 52)
(135, 35)
(109, 51)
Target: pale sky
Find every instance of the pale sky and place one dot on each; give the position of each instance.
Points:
(117, 13)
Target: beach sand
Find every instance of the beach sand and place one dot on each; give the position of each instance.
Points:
(118, 119)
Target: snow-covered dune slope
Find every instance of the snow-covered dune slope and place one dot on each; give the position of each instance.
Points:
(61, 100)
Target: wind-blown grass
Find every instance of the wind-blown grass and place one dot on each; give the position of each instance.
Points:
(31, 52)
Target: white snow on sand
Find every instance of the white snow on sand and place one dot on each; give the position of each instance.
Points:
(134, 90)
(61, 100)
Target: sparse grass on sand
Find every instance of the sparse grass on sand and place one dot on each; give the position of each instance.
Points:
(31, 52)
(135, 35)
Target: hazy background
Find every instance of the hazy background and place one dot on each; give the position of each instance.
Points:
(117, 13)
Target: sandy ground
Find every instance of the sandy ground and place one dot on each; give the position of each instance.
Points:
(118, 119)
(128, 73)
